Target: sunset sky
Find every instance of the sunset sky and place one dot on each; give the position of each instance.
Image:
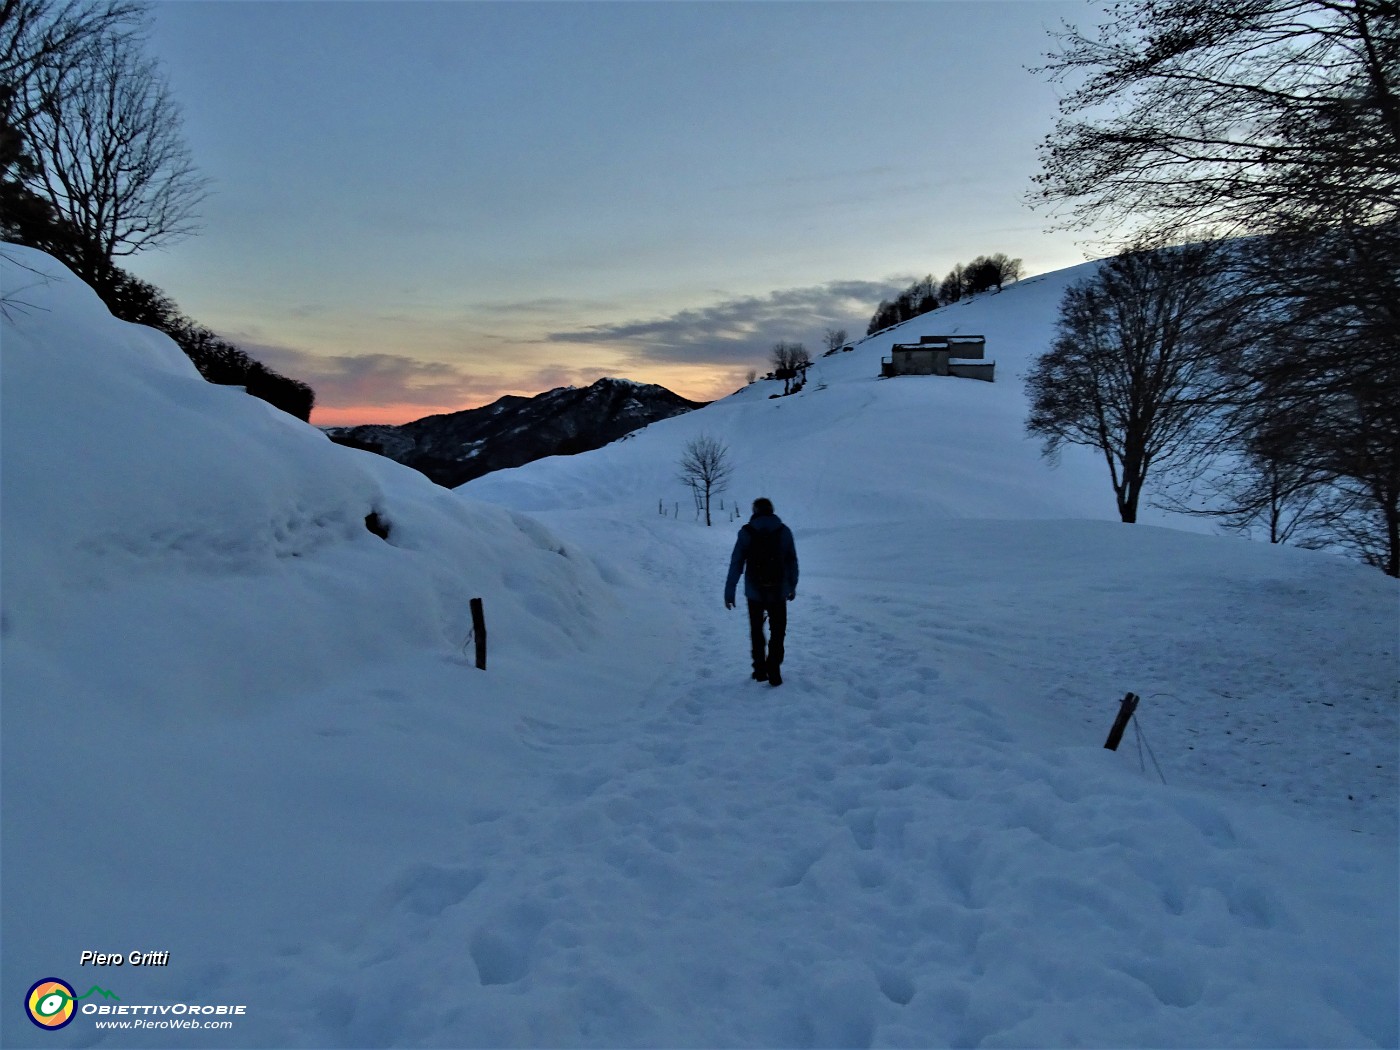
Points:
(418, 207)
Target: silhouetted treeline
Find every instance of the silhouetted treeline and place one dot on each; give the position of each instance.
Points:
(981, 275)
(218, 360)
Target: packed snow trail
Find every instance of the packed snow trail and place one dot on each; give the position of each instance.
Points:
(863, 856)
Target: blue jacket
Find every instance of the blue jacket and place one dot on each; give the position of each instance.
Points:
(738, 561)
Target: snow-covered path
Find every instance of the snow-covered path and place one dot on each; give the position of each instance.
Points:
(856, 858)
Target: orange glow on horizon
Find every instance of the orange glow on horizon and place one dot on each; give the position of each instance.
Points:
(707, 385)
(363, 415)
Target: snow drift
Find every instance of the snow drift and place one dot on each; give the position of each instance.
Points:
(204, 529)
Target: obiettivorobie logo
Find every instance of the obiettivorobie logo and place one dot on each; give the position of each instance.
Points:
(52, 1004)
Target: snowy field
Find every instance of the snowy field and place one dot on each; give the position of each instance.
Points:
(241, 728)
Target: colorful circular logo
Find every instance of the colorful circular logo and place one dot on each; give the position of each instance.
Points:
(50, 1003)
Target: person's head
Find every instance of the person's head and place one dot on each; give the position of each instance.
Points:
(762, 505)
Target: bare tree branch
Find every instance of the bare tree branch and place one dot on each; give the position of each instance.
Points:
(101, 131)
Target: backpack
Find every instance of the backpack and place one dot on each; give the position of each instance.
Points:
(765, 558)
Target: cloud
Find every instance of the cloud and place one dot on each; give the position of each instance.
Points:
(524, 307)
(377, 379)
(357, 387)
(741, 331)
(703, 352)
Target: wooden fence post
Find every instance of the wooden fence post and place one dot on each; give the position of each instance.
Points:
(479, 632)
(1125, 714)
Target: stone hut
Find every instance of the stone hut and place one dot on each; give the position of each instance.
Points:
(941, 355)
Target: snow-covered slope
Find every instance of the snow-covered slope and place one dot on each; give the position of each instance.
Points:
(238, 727)
(129, 480)
(851, 447)
(201, 720)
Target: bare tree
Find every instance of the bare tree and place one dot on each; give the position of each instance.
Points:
(43, 36)
(801, 361)
(991, 271)
(1289, 503)
(835, 339)
(108, 152)
(705, 467)
(1133, 371)
(789, 360)
(953, 286)
(1326, 385)
(1228, 118)
(1008, 270)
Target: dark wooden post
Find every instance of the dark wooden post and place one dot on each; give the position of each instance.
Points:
(1125, 714)
(479, 632)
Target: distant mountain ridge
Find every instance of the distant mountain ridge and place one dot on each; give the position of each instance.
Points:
(456, 447)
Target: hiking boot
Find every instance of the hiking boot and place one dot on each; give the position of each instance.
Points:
(760, 676)
(774, 678)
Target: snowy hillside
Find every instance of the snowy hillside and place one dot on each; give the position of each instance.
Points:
(239, 727)
(852, 447)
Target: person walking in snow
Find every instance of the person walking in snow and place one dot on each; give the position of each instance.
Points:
(767, 556)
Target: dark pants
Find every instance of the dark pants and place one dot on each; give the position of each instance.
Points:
(776, 611)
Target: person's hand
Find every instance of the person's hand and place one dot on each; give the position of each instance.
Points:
(792, 596)
(729, 605)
